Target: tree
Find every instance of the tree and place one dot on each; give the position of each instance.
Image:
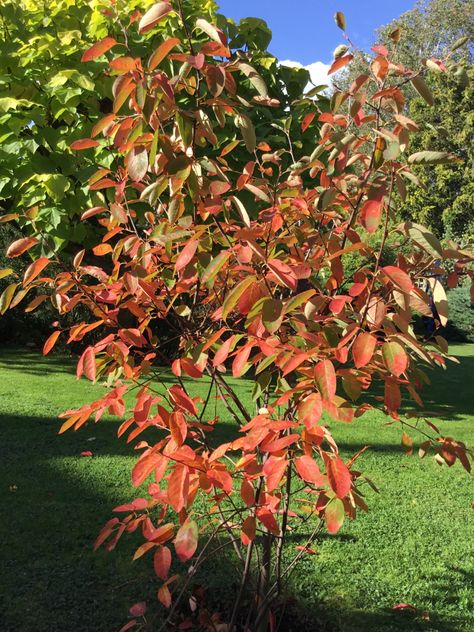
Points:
(436, 29)
(48, 98)
(239, 244)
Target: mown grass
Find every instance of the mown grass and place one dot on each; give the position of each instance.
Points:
(414, 546)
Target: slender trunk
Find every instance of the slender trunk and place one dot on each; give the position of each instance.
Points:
(261, 624)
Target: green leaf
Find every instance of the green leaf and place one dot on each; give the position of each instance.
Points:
(272, 314)
(425, 239)
(432, 158)
(247, 130)
(233, 296)
(255, 79)
(420, 86)
(56, 185)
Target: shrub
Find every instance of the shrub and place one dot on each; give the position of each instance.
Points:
(228, 219)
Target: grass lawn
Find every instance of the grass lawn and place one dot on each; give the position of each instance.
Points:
(415, 545)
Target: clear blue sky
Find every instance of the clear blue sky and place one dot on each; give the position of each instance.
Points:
(304, 30)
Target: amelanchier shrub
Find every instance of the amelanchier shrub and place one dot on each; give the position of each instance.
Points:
(238, 244)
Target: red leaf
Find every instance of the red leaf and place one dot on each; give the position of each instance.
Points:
(267, 518)
(186, 540)
(20, 246)
(370, 214)
(247, 492)
(309, 471)
(162, 562)
(326, 378)
(138, 609)
(50, 342)
(392, 397)
(308, 119)
(380, 50)
(84, 143)
(247, 534)
(223, 351)
(395, 358)
(339, 476)
(88, 358)
(183, 400)
(284, 273)
(399, 278)
(404, 606)
(240, 360)
(274, 470)
(99, 48)
(154, 15)
(363, 349)
(340, 63)
(186, 255)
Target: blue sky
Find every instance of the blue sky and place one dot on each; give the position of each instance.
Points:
(304, 31)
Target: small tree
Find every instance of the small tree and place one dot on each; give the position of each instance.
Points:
(238, 245)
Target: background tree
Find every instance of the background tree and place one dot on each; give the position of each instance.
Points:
(431, 30)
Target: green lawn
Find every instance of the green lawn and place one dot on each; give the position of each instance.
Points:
(415, 545)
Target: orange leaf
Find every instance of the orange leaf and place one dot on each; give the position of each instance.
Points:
(247, 534)
(50, 342)
(88, 360)
(20, 246)
(123, 64)
(99, 48)
(84, 143)
(164, 596)
(274, 470)
(240, 360)
(223, 351)
(162, 51)
(35, 269)
(310, 410)
(399, 278)
(308, 119)
(340, 63)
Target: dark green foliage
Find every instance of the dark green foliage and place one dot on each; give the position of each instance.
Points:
(446, 203)
(461, 315)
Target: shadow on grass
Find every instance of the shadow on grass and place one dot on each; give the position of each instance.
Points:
(51, 581)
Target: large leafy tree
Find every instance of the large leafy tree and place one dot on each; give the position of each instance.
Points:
(48, 98)
(446, 201)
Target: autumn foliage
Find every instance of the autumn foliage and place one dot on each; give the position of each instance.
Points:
(239, 247)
